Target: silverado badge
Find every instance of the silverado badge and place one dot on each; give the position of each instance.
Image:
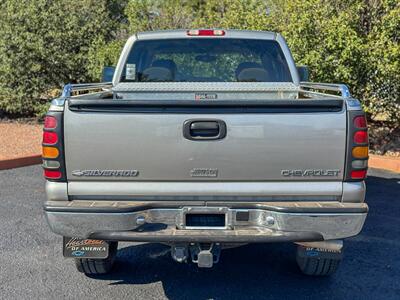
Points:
(105, 173)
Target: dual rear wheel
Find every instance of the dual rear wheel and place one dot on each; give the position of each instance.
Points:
(316, 261)
(91, 266)
(311, 261)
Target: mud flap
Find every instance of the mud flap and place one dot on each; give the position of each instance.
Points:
(85, 248)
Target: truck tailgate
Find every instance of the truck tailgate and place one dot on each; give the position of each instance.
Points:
(272, 141)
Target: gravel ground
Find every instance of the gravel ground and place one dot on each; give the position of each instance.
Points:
(32, 266)
(18, 139)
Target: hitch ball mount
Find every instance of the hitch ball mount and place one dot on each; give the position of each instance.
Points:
(205, 255)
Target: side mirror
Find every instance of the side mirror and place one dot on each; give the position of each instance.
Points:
(108, 74)
(304, 74)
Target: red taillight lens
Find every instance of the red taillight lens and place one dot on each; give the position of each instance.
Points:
(361, 137)
(360, 174)
(357, 146)
(206, 32)
(50, 122)
(53, 147)
(52, 174)
(360, 122)
(50, 138)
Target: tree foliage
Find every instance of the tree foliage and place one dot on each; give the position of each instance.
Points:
(382, 87)
(44, 43)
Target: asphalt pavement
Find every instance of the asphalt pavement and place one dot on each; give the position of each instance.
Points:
(32, 266)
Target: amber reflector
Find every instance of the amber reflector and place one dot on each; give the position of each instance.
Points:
(49, 152)
(360, 152)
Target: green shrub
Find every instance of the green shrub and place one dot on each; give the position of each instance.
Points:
(382, 88)
(103, 54)
(44, 44)
(146, 15)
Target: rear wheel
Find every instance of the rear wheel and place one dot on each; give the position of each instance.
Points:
(317, 262)
(91, 266)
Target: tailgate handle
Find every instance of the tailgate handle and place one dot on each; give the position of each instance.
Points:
(204, 129)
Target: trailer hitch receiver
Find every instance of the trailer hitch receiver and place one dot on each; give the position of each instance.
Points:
(205, 254)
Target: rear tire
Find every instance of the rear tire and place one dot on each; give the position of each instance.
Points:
(319, 265)
(91, 266)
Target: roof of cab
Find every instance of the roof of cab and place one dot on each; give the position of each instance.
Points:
(182, 33)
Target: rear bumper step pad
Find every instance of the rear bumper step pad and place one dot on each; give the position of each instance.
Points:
(172, 235)
(88, 206)
(243, 223)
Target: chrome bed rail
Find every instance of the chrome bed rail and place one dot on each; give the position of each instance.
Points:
(340, 88)
(69, 88)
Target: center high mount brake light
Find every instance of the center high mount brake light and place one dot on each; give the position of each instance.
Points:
(206, 32)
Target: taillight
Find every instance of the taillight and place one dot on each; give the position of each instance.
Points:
(50, 122)
(360, 122)
(53, 147)
(51, 164)
(357, 155)
(359, 164)
(360, 174)
(50, 138)
(361, 137)
(50, 174)
(50, 152)
(360, 152)
(205, 32)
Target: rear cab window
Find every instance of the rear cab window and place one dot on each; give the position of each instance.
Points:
(206, 60)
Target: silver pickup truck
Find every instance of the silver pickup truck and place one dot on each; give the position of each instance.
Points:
(202, 140)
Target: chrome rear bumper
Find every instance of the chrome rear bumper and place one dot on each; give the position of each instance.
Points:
(244, 222)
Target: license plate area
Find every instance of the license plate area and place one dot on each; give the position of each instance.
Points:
(204, 218)
(85, 248)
